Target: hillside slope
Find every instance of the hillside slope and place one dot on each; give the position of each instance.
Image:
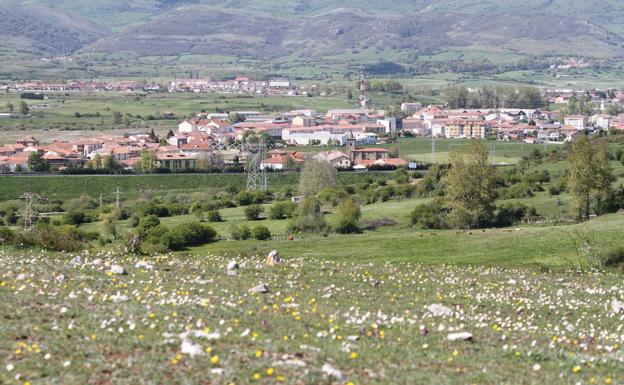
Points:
(269, 29)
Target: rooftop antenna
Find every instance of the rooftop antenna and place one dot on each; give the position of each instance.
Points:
(256, 174)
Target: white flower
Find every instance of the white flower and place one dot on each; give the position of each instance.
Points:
(537, 367)
(9, 367)
(66, 364)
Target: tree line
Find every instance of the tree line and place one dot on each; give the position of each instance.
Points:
(488, 97)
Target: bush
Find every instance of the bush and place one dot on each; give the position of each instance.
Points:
(309, 217)
(213, 216)
(189, 234)
(612, 257)
(75, 217)
(134, 221)
(252, 212)
(347, 217)
(149, 222)
(429, 216)
(6, 236)
(241, 232)
(261, 233)
(281, 210)
(510, 213)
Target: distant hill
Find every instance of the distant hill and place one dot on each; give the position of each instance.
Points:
(272, 29)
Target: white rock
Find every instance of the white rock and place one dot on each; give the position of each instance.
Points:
(76, 261)
(118, 298)
(330, 371)
(262, 288)
(217, 371)
(462, 336)
(273, 258)
(537, 367)
(116, 269)
(143, 265)
(617, 306)
(232, 265)
(439, 310)
(191, 349)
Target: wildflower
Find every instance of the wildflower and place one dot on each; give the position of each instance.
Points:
(258, 353)
(354, 355)
(576, 369)
(256, 376)
(269, 371)
(214, 360)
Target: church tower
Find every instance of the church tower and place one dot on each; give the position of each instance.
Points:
(351, 145)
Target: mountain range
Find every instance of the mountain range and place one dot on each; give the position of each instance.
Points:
(278, 29)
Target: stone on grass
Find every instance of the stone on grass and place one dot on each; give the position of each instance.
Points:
(191, 349)
(330, 371)
(260, 289)
(118, 298)
(461, 336)
(439, 310)
(116, 269)
(143, 265)
(273, 258)
(617, 306)
(232, 268)
(76, 261)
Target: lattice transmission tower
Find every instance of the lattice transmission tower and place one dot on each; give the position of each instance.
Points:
(30, 214)
(255, 153)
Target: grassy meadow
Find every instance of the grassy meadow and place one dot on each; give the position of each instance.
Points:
(181, 320)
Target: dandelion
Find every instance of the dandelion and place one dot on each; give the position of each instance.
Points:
(354, 355)
(256, 376)
(269, 371)
(258, 353)
(576, 369)
(214, 360)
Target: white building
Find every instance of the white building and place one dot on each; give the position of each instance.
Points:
(322, 138)
(411, 107)
(576, 121)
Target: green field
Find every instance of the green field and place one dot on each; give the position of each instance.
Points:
(344, 320)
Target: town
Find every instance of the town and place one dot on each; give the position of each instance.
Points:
(347, 138)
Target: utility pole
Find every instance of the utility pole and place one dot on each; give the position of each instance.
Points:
(117, 198)
(433, 147)
(256, 174)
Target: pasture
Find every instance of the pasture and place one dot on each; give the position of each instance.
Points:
(180, 320)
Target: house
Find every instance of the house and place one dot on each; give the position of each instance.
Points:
(410, 107)
(281, 160)
(338, 159)
(176, 162)
(304, 121)
(28, 141)
(461, 128)
(357, 155)
(577, 121)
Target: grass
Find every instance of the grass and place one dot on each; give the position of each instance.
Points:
(183, 320)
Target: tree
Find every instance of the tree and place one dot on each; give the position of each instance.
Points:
(347, 217)
(261, 233)
(96, 162)
(589, 179)
(310, 218)
(580, 178)
(24, 109)
(10, 106)
(109, 164)
(36, 163)
(148, 162)
(116, 117)
(252, 212)
(316, 176)
(470, 192)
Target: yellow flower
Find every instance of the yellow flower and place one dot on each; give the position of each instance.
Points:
(269, 371)
(258, 353)
(256, 376)
(214, 360)
(280, 378)
(354, 355)
(608, 380)
(576, 369)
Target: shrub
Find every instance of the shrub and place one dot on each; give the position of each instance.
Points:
(134, 221)
(373, 224)
(281, 210)
(309, 217)
(429, 216)
(347, 217)
(612, 257)
(149, 222)
(189, 234)
(6, 236)
(240, 232)
(75, 217)
(261, 233)
(252, 212)
(213, 216)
